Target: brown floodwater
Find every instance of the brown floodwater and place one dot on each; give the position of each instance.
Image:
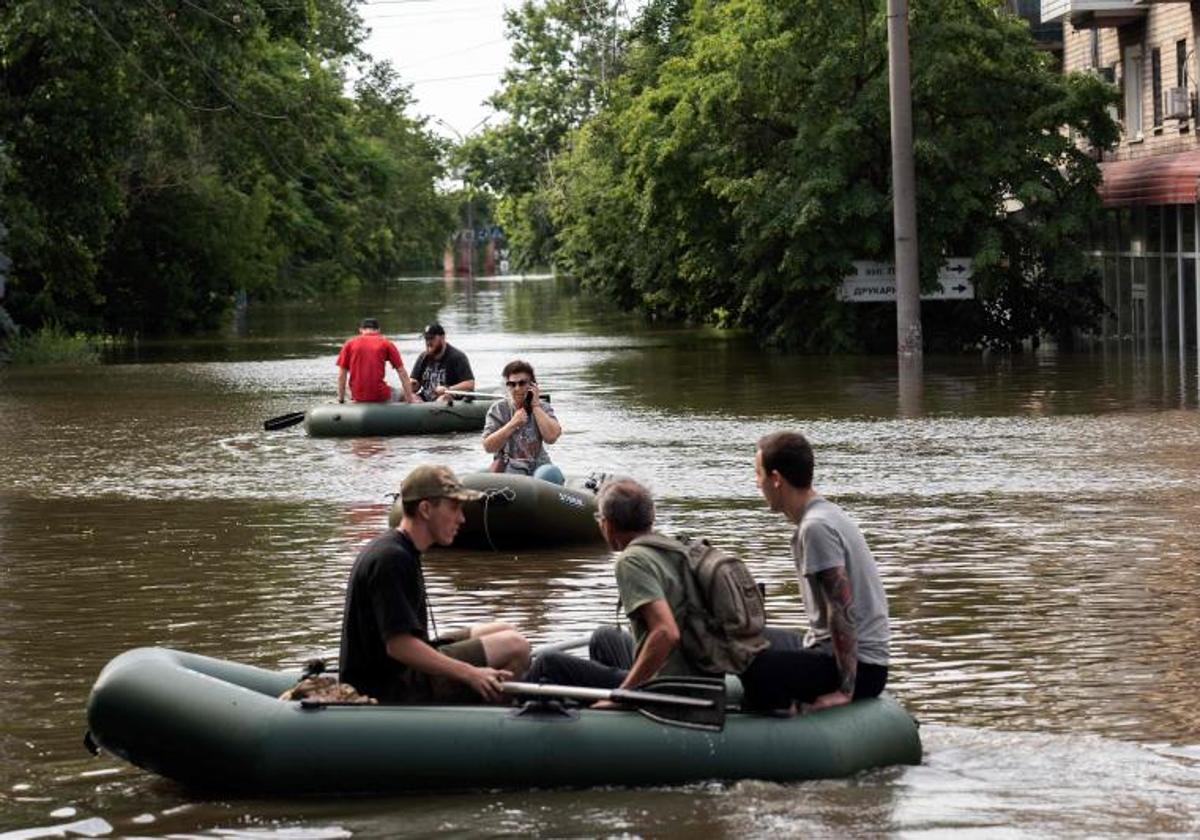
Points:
(1035, 519)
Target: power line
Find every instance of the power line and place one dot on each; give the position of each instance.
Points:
(212, 15)
(441, 56)
(206, 70)
(493, 73)
(141, 70)
(284, 170)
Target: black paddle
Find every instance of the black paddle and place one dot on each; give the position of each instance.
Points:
(691, 702)
(283, 421)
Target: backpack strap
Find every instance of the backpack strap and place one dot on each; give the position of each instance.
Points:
(660, 541)
(680, 553)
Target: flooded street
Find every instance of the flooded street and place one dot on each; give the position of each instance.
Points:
(1035, 521)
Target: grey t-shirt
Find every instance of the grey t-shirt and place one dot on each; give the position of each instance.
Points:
(825, 539)
(524, 452)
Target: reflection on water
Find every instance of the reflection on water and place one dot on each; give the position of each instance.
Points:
(1033, 518)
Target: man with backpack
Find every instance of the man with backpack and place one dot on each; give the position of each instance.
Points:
(845, 652)
(694, 610)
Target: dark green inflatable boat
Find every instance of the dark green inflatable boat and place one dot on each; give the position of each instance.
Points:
(395, 418)
(521, 512)
(217, 725)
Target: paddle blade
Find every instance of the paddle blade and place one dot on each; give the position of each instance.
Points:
(706, 711)
(283, 421)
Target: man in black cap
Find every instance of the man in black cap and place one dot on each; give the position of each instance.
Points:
(441, 367)
(387, 650)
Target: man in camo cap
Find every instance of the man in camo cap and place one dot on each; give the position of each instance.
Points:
(387, 650)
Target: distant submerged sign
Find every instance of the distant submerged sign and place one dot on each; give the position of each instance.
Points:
(875, 282)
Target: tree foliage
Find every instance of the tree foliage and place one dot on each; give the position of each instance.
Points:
(742, 162)
(566, 54)
(166, 154)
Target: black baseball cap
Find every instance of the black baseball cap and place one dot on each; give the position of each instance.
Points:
(433, 329)
(368, 324)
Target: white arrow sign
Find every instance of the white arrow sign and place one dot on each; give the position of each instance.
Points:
(874, 282)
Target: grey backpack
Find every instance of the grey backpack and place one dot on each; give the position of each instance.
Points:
(723, 628)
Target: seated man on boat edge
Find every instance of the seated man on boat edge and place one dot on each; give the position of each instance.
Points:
(656, 593)
(364, 360)
(845, 653)
(441, 367)
(518, 428)
(387, 651)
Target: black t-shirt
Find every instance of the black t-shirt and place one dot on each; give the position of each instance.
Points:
(450, 369)
(386, 596)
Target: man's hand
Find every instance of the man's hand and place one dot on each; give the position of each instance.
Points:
(486, 682)
(828, 701)
(518, 419)
(440, 390)
(606, 704)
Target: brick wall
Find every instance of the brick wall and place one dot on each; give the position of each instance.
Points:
(1163, 27)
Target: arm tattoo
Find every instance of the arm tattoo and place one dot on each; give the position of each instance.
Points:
(838, 598)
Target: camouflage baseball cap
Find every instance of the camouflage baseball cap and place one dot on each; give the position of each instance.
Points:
(433, 481)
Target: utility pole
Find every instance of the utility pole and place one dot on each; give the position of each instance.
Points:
(909, 340)
(470, 229)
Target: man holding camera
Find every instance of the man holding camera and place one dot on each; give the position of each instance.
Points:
(518, 428)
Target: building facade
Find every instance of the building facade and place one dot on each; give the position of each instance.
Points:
(1148, 247)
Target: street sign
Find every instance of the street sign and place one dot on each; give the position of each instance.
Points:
(875, 282)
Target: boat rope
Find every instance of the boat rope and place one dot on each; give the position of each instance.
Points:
(505, 493)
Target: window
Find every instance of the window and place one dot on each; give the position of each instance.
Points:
(1132, 80)
(1095, 48)
(1156, 85)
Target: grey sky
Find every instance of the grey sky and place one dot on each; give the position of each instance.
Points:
(451, 52)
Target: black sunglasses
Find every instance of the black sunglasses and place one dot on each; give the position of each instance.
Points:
(517, 383)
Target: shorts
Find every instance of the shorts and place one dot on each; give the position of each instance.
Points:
(422, 688)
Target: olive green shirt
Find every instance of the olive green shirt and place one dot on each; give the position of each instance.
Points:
(645, 574)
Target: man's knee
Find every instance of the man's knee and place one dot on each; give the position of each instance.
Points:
(507, 649)
(610, 645)
(552, 667)
(480, 630)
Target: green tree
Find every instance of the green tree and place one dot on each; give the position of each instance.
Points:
(166, 154)
(7, 326)
(566, 55)
(738, 184)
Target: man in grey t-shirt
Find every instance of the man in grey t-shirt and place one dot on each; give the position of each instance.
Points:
(845, 651)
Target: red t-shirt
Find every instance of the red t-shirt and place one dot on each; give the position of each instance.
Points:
(366, 357)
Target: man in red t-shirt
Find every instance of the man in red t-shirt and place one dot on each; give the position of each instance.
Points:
(364, 360)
